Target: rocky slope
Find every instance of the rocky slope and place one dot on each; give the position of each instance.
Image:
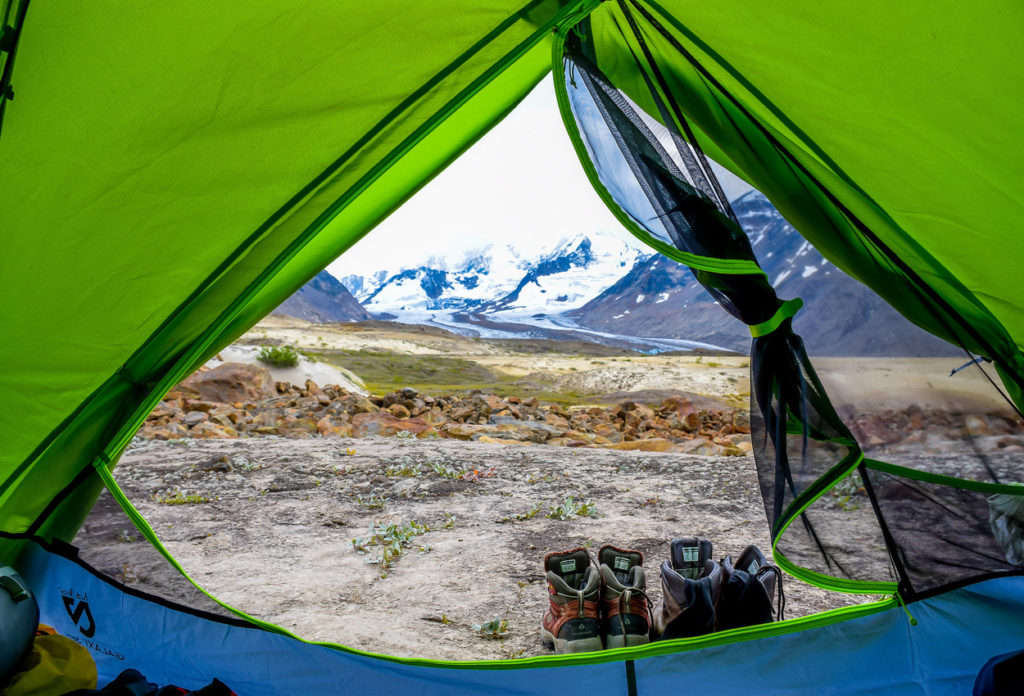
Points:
(322, 300)
(237, 400)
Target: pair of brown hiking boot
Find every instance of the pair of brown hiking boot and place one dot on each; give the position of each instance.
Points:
(595, 606)
(701, 595)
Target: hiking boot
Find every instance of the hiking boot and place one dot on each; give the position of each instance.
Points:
(691, 582)
(747, 589)
(626, 620)
(571, 623)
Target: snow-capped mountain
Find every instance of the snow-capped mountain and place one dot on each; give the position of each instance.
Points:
(604, 288)
(499, 282)
(659, 297)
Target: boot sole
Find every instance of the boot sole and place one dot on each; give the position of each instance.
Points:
(628, 640)
(564, 647)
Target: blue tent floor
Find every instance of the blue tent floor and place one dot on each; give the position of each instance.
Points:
(876, 653)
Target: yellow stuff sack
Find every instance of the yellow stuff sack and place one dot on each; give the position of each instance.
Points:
(55, 666)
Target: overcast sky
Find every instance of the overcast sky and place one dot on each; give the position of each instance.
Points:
(521, 183)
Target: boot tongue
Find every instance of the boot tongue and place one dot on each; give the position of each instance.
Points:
(751, 560)
(570, 566)
(689, 555)
(620, 561)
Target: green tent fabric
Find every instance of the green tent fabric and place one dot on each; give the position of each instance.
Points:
(170, 172)
(165, 170)
(881, 133)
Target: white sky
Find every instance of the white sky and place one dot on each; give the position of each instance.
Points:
(521, 184)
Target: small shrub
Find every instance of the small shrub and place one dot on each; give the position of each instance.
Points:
(570, 509)
(845, 491)
(404, 467)
(385, 543)
(523, 516)
(176, 497)
(495, 628)
(445, 470)
(371, 501)
(278, 356)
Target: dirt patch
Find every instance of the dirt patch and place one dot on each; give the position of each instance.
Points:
(268, 525)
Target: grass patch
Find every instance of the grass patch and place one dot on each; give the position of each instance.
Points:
(278, 356)
(383, 372)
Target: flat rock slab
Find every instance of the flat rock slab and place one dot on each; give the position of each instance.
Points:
(269, 530)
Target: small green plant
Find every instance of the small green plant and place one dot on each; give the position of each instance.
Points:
(405, 435)
(126, 537)
(386, 542)
(176, 497)
(404, 467)
(845, 491)
(371, 501)
(449, 520)
(495, 628)
(523, 516)
(446, 470)
(278, 356)
(570, 509)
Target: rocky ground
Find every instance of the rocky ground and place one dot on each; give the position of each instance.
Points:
(411, 517)
(234, 399)
(294, 531)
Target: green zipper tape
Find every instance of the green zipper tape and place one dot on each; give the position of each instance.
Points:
(787, 310)
(803, 501)
(704, 263)
(939, 479)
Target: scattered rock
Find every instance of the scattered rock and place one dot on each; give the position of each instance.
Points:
(220, 463)
(398, 411)
(654, 444)
(235, 400)
(229, 383)
(384, 424)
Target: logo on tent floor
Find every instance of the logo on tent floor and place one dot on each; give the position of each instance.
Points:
(78, 609)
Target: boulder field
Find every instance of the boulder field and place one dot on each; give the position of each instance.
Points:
(238, 400)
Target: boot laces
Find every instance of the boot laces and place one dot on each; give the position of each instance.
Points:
(771, 569)
(627, 594)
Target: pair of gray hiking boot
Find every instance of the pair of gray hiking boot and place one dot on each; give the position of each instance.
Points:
(701, 595)
(592, 607)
